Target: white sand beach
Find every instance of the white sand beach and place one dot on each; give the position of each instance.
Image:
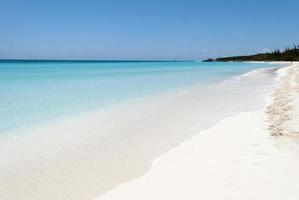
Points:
(254, 155)
(149, 100)
(165, 148)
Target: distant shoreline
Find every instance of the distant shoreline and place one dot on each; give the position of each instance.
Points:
(288, 54)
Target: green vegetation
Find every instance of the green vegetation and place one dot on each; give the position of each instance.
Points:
(288, 54)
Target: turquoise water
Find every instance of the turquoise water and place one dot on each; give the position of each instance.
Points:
(36, 91)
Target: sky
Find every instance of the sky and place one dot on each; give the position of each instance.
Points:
(145, 29)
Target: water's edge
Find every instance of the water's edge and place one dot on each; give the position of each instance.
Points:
(278, 71)
(166, 122)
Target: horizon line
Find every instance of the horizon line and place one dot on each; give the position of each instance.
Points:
(94, 60)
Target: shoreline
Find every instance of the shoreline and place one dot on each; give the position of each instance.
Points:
(197, 170)
(74, 154)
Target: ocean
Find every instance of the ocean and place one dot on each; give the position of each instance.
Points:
(34, 92)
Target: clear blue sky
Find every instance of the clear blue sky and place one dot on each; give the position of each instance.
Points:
(144, 29)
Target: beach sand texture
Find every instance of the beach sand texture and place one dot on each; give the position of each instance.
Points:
(283, 112)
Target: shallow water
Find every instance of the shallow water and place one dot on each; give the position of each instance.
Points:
(37, 91)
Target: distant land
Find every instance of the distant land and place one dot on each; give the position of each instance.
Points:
(288, 54)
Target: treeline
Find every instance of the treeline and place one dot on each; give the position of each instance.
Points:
(288, 54)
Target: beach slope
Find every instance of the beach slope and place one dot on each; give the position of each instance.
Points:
(238, 159)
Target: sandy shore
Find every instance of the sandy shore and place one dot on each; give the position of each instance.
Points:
(89, 154)
(236, 160)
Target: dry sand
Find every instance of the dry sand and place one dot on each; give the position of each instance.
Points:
(283, 112)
